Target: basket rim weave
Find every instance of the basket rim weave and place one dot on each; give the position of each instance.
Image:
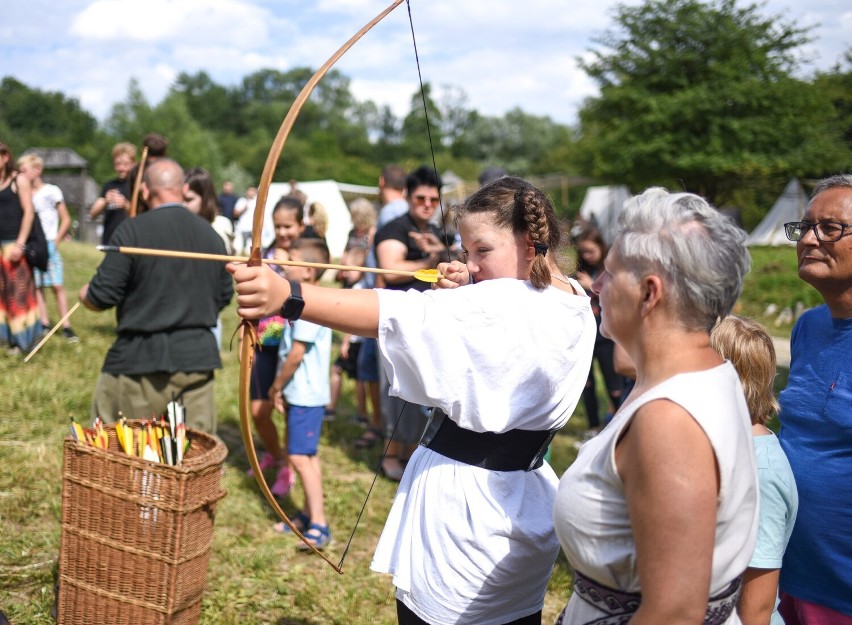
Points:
(211, 457)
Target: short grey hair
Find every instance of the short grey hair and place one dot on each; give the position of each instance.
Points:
(840, 180)
(700, 253)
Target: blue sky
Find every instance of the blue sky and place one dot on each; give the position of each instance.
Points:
(501, 53)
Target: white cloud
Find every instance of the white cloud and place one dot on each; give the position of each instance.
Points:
(501, 53)
(167, 20)
(395, 94)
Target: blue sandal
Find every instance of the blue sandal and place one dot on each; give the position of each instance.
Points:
(301, 522)
(318, 535)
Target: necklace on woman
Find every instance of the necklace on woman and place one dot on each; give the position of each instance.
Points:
(561, 277)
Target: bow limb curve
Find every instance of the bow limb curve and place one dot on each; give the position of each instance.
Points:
(249, 336)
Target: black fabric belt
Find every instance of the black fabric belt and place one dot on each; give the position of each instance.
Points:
(515, 450)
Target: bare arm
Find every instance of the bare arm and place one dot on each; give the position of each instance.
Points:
(288, 368)
(670, 483)
(114, 197)
(345, 344)
(760, 588)
(97, 207)
(240, 207)
(64, 222)
(261, 292)
(24, 191)
(391, 255)
(84, 291)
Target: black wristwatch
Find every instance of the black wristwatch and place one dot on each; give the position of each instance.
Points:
(292, 308)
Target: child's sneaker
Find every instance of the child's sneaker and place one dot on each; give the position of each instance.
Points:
(283, 482)
(267, 461)
(70, 336)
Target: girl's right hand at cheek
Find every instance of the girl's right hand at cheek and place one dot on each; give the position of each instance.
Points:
(260, 291)
(454, 274)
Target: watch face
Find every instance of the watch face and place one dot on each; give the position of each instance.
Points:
(292, 308)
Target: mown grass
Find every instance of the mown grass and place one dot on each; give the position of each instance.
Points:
(773, 279)
(255, 576)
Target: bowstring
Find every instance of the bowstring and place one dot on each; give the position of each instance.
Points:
(428, 129)
(449, 259)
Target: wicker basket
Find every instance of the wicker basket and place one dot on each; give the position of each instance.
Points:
(136, 535)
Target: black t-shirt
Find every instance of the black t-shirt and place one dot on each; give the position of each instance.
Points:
(114, 216)
(398, 230)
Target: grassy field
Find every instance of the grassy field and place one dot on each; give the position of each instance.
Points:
(254, 576)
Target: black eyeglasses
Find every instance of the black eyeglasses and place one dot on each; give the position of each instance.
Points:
(825, 231)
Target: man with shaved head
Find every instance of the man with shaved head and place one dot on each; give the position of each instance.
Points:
(165, 308)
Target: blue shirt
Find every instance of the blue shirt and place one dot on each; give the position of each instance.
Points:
(309, 385)
(779, 502)
(816, 436)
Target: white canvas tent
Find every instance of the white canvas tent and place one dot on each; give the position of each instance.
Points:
(601, 207)
(327, 193)
(790, 206)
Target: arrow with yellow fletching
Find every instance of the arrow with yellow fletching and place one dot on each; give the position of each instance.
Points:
(424, 275)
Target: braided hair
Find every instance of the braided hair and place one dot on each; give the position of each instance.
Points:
(518, 205)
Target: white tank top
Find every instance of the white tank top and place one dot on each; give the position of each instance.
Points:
(590, 513)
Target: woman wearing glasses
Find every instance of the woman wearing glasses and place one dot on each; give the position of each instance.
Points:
(816, 416)
(658, 514)
(408, 243)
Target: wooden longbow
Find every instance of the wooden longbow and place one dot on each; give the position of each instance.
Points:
(249, 341)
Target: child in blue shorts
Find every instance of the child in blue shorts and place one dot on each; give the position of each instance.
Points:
(301, 390)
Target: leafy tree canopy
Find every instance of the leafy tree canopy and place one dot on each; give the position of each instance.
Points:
(701, 95)
(694, 94)
(44, 119)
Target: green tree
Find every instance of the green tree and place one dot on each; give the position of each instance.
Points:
(701, 95)
(836, 85)
(518, 141)
(423, 122)
(455, 114)
(189, 143)
(384, 131)
(36, 118)
(213, 106)
(131, 119)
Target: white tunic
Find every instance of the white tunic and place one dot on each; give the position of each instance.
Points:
(465, 544)
(591, 515)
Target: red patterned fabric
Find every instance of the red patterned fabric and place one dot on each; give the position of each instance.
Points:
(19, 318)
